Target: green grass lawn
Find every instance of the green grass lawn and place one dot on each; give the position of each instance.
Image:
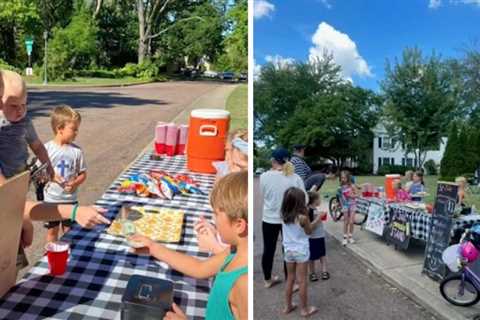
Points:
(237, 104)
(330, 187)
(86, 81)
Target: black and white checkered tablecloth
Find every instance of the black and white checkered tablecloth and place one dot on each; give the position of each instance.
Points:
(100, 264)
(420, 220)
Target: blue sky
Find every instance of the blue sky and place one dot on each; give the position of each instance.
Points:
(362, 33)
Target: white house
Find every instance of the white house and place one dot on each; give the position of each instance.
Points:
(388, 151)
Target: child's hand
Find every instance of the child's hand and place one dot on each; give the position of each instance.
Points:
(70, 187)
(89, 217)
(26, 238)
(145, 241)
(201, 224)
(59, 179)
(175, 314)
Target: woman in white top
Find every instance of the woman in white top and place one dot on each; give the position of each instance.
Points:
(273, 185)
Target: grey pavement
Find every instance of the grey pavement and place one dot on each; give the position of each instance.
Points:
(403, 269)
(354, 291)
(117, 125)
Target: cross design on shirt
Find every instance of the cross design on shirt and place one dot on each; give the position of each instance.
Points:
(62, 166)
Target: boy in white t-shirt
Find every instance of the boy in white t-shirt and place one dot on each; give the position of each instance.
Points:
(69, 165)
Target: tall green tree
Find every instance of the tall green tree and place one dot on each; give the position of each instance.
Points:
(197, 39)
(18, 19)
(452, 149)
(73, 47)
(236, 42)
(420, 100)
(311, 104)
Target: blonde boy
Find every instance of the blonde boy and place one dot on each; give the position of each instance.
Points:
(16, 129)
(228, 298)
(68, 162)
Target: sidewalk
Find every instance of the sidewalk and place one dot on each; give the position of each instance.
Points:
(403, 270)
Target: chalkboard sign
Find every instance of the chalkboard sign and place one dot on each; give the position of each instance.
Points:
(397, 231)
(440, 226)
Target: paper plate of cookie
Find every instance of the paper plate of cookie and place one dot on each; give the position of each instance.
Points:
(164, 225)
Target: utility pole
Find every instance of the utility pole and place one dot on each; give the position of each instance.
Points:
(45, 37)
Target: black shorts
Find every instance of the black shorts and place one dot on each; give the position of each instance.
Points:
(317, 248)
(65, 223)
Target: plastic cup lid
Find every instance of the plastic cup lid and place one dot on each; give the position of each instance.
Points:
(57, 246)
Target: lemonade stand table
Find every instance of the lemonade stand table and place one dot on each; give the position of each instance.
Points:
(419, 219)
(100, 264)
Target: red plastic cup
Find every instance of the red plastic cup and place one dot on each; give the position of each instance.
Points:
(171, 139)
(182, 139)
(160, 137)
(57, 254)
(324, 217)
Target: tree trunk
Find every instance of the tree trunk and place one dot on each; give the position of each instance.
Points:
(97, 9)
(142, 39)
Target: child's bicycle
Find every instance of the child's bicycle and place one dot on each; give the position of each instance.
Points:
(462, 288)
(37, 172)
(336, 212)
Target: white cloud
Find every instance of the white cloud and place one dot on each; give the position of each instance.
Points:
(280, 62)
(326, 4)
(257, 69)
(477, 2)
(434, 4)
(262, 8)
(343, 50)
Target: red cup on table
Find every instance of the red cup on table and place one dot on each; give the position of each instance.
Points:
(57, 254)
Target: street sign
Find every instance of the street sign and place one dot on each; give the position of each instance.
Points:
(29, 45)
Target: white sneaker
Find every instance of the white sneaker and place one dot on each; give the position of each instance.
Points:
(344, 242)
(351, 241)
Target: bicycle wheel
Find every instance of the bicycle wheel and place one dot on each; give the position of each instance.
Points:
(334, 209)
(359, 218)
(458, 292)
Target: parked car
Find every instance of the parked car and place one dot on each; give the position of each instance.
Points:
(210, 74)
(227, 75)
(259, 171)
(243, 76)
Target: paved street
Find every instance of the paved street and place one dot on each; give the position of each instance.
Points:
(353, 291)
(117, 124)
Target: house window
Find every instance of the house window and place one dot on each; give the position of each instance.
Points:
(409, 162)
(403, 161)
(393, 161)
(380, 142)
(415, 162)
(386, 161)
(379, 161)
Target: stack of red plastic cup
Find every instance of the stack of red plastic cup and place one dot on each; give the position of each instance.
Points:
(170, 139)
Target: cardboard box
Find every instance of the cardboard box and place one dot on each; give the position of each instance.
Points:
(12, 203)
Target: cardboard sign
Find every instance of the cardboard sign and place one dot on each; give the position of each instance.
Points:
(12, 203)
(376, 220)
(397, 231)
(440, 227)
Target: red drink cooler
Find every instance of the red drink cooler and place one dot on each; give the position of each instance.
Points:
(389, 191)
(207, 135)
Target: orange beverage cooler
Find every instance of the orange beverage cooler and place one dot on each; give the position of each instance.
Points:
(389, 191)
(207, 135)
